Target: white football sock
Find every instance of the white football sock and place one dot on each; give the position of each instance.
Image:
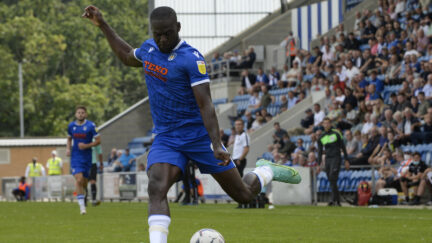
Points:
(158, 228)
(264, 174)
(81, 203)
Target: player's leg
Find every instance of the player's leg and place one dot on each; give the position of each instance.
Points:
(161, 177)
(93, 188)
(79, 188)
(241, 190)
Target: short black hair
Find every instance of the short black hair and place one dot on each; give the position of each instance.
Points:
(416, 153)
(240, 120)
(81, 107)
(162, 13)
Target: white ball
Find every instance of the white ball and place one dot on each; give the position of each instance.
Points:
(207, 236)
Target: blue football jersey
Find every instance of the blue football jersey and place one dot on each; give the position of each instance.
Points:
(170, 78)
(81, 134)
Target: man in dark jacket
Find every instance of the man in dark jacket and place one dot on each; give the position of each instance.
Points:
(331, 140)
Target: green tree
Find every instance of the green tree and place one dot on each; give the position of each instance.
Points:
(66, 62)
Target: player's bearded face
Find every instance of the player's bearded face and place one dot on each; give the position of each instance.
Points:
(80, 114)
(165, 34)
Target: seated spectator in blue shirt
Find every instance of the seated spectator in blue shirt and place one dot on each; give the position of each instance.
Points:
(364, 83)
(300, 147)
(292, 100)
(261, 77)
(379, 84)
(126, 161)
(274, 77)
(372, 93)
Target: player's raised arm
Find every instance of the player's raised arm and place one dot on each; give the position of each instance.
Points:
(208, 114)
(120, 47)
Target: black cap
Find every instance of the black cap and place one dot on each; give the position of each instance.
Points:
(308, 110)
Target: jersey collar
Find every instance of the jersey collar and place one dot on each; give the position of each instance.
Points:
(178, 45)
(85, 121)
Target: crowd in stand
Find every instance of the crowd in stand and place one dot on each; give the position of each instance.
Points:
(378, 85)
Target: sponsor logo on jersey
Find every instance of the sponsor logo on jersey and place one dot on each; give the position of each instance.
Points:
(85, 128)
(201, 67)
(79, 135)
(155, 70)
(172, 56)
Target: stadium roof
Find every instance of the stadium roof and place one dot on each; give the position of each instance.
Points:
(26, 142)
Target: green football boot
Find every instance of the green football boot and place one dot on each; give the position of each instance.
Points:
(281, 173)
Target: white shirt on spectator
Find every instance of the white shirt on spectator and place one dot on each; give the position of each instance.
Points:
(407, 127)
(284, 76)
(318, 118)
(367, 127)
(342, 75)
(247, 82)
(351, 73)
(241, 141)
(340, 98)
(427, 89)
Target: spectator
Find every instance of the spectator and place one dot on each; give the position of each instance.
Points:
(388, 118)
(266, 98)
(427, 89)
(351, 71)
(216, 63)
(274, 77)
(259, 122)
(126, 161)
(224, 137)
(241, 146)
(248, 82)
(318, 116)
(412, 177)
(292, 100)
(141, 167)
(279, 132)
(424, 132)
(402, 103)
(54, 164)
(368, 124)
(372, 93)
(284, 104)
(34, 169)
(423, 105)
(299, 146)
(284, 77)
(286, 146)
(309, 120)
(366, 152)
(352, 145)
(410, 125)
(249, 120)
(113, 156)
(351, 43)
(294, 74)
(254, 101)
(261, 78)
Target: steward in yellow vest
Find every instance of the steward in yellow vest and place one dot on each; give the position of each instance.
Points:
(54, 164)
(35, 169)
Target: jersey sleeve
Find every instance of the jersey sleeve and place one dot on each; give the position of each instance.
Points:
(196, 68)
(138, 52)
(93, 130)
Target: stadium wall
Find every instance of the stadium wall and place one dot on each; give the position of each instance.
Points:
(15, 157)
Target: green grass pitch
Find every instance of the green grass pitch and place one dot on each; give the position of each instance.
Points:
(127, 222)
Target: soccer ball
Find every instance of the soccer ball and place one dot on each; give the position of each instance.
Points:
(207, 236)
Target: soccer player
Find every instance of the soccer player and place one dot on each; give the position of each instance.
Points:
(184, 118)
(81, 132)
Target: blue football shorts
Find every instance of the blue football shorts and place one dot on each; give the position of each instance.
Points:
(81, 168)
(175, 150)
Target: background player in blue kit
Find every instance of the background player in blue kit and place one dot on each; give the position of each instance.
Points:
(80, 137)
(184, 118)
